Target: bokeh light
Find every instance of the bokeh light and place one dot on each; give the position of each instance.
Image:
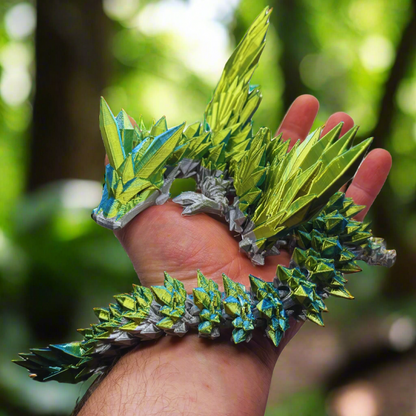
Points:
(402, 333)
(204, 43)
(376, 53)
(20, 21)
(357, 399)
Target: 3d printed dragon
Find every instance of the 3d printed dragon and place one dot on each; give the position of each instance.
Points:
(272, 197)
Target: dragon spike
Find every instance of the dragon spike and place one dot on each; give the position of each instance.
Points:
(233, 99)
(127, 132)
(111, 135)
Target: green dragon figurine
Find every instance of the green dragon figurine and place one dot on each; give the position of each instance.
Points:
(271, 197)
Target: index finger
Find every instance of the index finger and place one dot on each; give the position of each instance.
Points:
(299, 119)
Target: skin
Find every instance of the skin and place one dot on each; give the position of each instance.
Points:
(192, 375)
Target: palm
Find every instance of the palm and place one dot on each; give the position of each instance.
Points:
(162, 239)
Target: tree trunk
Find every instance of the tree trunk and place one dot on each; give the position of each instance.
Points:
(389, 219)
(72, 62)
(294, 33)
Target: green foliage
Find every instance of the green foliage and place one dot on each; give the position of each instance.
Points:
(305, 403)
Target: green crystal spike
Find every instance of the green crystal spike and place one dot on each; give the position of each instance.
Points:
(237, 305)
(207, 298)
(270, 307)
(172, 296)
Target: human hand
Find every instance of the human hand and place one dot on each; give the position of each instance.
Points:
(161, 239)
(169, 376)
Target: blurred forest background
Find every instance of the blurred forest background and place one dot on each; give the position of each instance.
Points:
(163, 58)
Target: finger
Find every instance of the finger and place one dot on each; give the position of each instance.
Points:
(369, 179)
(337, 118)
(299, 118)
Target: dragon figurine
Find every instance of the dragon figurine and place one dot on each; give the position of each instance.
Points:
(271, 196)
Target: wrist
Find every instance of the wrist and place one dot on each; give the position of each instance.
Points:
(189, 374)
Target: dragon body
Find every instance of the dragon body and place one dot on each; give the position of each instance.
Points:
(271, 197)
